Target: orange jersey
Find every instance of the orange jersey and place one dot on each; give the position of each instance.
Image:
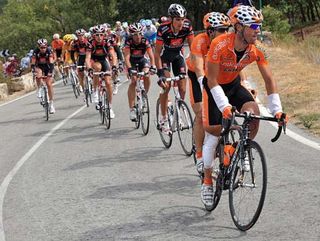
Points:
(222, 52)
(199, 47)
(57, 44)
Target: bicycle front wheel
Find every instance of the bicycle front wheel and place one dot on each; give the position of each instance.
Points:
(74, 85)
(166, 138)
(185, 127)
(106, 110)
(145, 113)
(46, 103)
(248, 187)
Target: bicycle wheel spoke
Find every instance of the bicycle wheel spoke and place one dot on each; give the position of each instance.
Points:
(185, 127)
(145, 114)
(247, 194)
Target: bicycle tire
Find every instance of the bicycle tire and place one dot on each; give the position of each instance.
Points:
(138, 119)
(185, 127)
(74, 86)
(46, 103)
(145, 113)
(237, 183)
(165, 138)
(100, 106)
(106, 110)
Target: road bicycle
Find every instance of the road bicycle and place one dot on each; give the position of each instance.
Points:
(44, 96)
(179, 119)
(103, 105)
(87, 87)
(141, 103)
(240, 167)
(74, 80)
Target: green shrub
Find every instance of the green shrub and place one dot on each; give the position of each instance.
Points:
(275, 21)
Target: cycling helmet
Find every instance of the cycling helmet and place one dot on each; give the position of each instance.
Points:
(245, 15)
(98, 29)
(80, 32)
(135, 27)
(67, 38)
(163, 19)
(216, 20)
(148, 23)
(56, 36)
(118, 23)
(87, 35)
(42, 42)
(125, 25)
(177, 10)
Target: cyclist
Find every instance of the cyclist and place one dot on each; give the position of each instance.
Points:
(215, 24)
(134, 53)
(79, 47)
(42, 65)
(227, 56)
(150, 32)
(66, 52)
(57, 45)
(97, 52)
(170, 39)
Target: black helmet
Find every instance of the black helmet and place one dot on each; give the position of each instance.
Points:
(177, 10)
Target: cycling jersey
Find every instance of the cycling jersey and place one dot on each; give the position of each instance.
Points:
(171, 41)
(137, 50)
(99, 51)
(113, 38)
(67, 52)
(42, 58)
(80, 47)
(150, 33)
(57, 44)
(222, 52)
(199, 47)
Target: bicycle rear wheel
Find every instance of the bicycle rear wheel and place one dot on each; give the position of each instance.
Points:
(166, 138)
(185, 127)
(145, 113)
(248, 188)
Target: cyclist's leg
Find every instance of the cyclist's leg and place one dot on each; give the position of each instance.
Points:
(96, 67)
(38, 72)
(164, 96)
(196, 104)
(81, 62)
(106, 67)
(179, 68)
(244, 101)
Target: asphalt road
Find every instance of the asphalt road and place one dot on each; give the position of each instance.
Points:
(88, 183)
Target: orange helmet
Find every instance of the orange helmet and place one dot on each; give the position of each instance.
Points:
(245, 15)
(216, 20)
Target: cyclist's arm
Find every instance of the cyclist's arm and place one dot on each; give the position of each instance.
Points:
(72, 56)
(212, 76)
(88, 59)
(270, 83)
(157, 55)
(113, 56)
(151, 56)
(189, 40)
(126, 52)
(198, 64)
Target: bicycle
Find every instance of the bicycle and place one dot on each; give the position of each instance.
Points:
(179, 118)
(242, 169)
(74, 79)
(104, 105)
(44, 96)
(87, 87)
(115, 81)
(141, 104)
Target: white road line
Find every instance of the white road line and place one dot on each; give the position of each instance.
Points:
(290, 133)
(19, 164)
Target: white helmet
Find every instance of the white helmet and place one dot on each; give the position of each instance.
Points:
(177, 10)
(56, 36)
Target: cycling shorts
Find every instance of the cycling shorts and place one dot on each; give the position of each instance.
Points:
(237, 94)
(58, 53)
(105, 66)
(141, 62)
(45, 69)
(177, 61)
(81, 62)
(194, 88)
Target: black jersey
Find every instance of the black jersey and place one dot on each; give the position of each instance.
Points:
(137, 50)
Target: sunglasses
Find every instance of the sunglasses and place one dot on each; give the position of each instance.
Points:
(43, 47)
(99, 34)
(254, 26)
(137, 34)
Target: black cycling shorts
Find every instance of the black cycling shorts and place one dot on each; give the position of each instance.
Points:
(141, 62)
(81, 62)
(58, 53)
(176, 59)
(194, 87)
(105, 66)
(45, 69)
(237, 94)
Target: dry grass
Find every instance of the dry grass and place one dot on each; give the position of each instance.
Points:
(298, 83)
